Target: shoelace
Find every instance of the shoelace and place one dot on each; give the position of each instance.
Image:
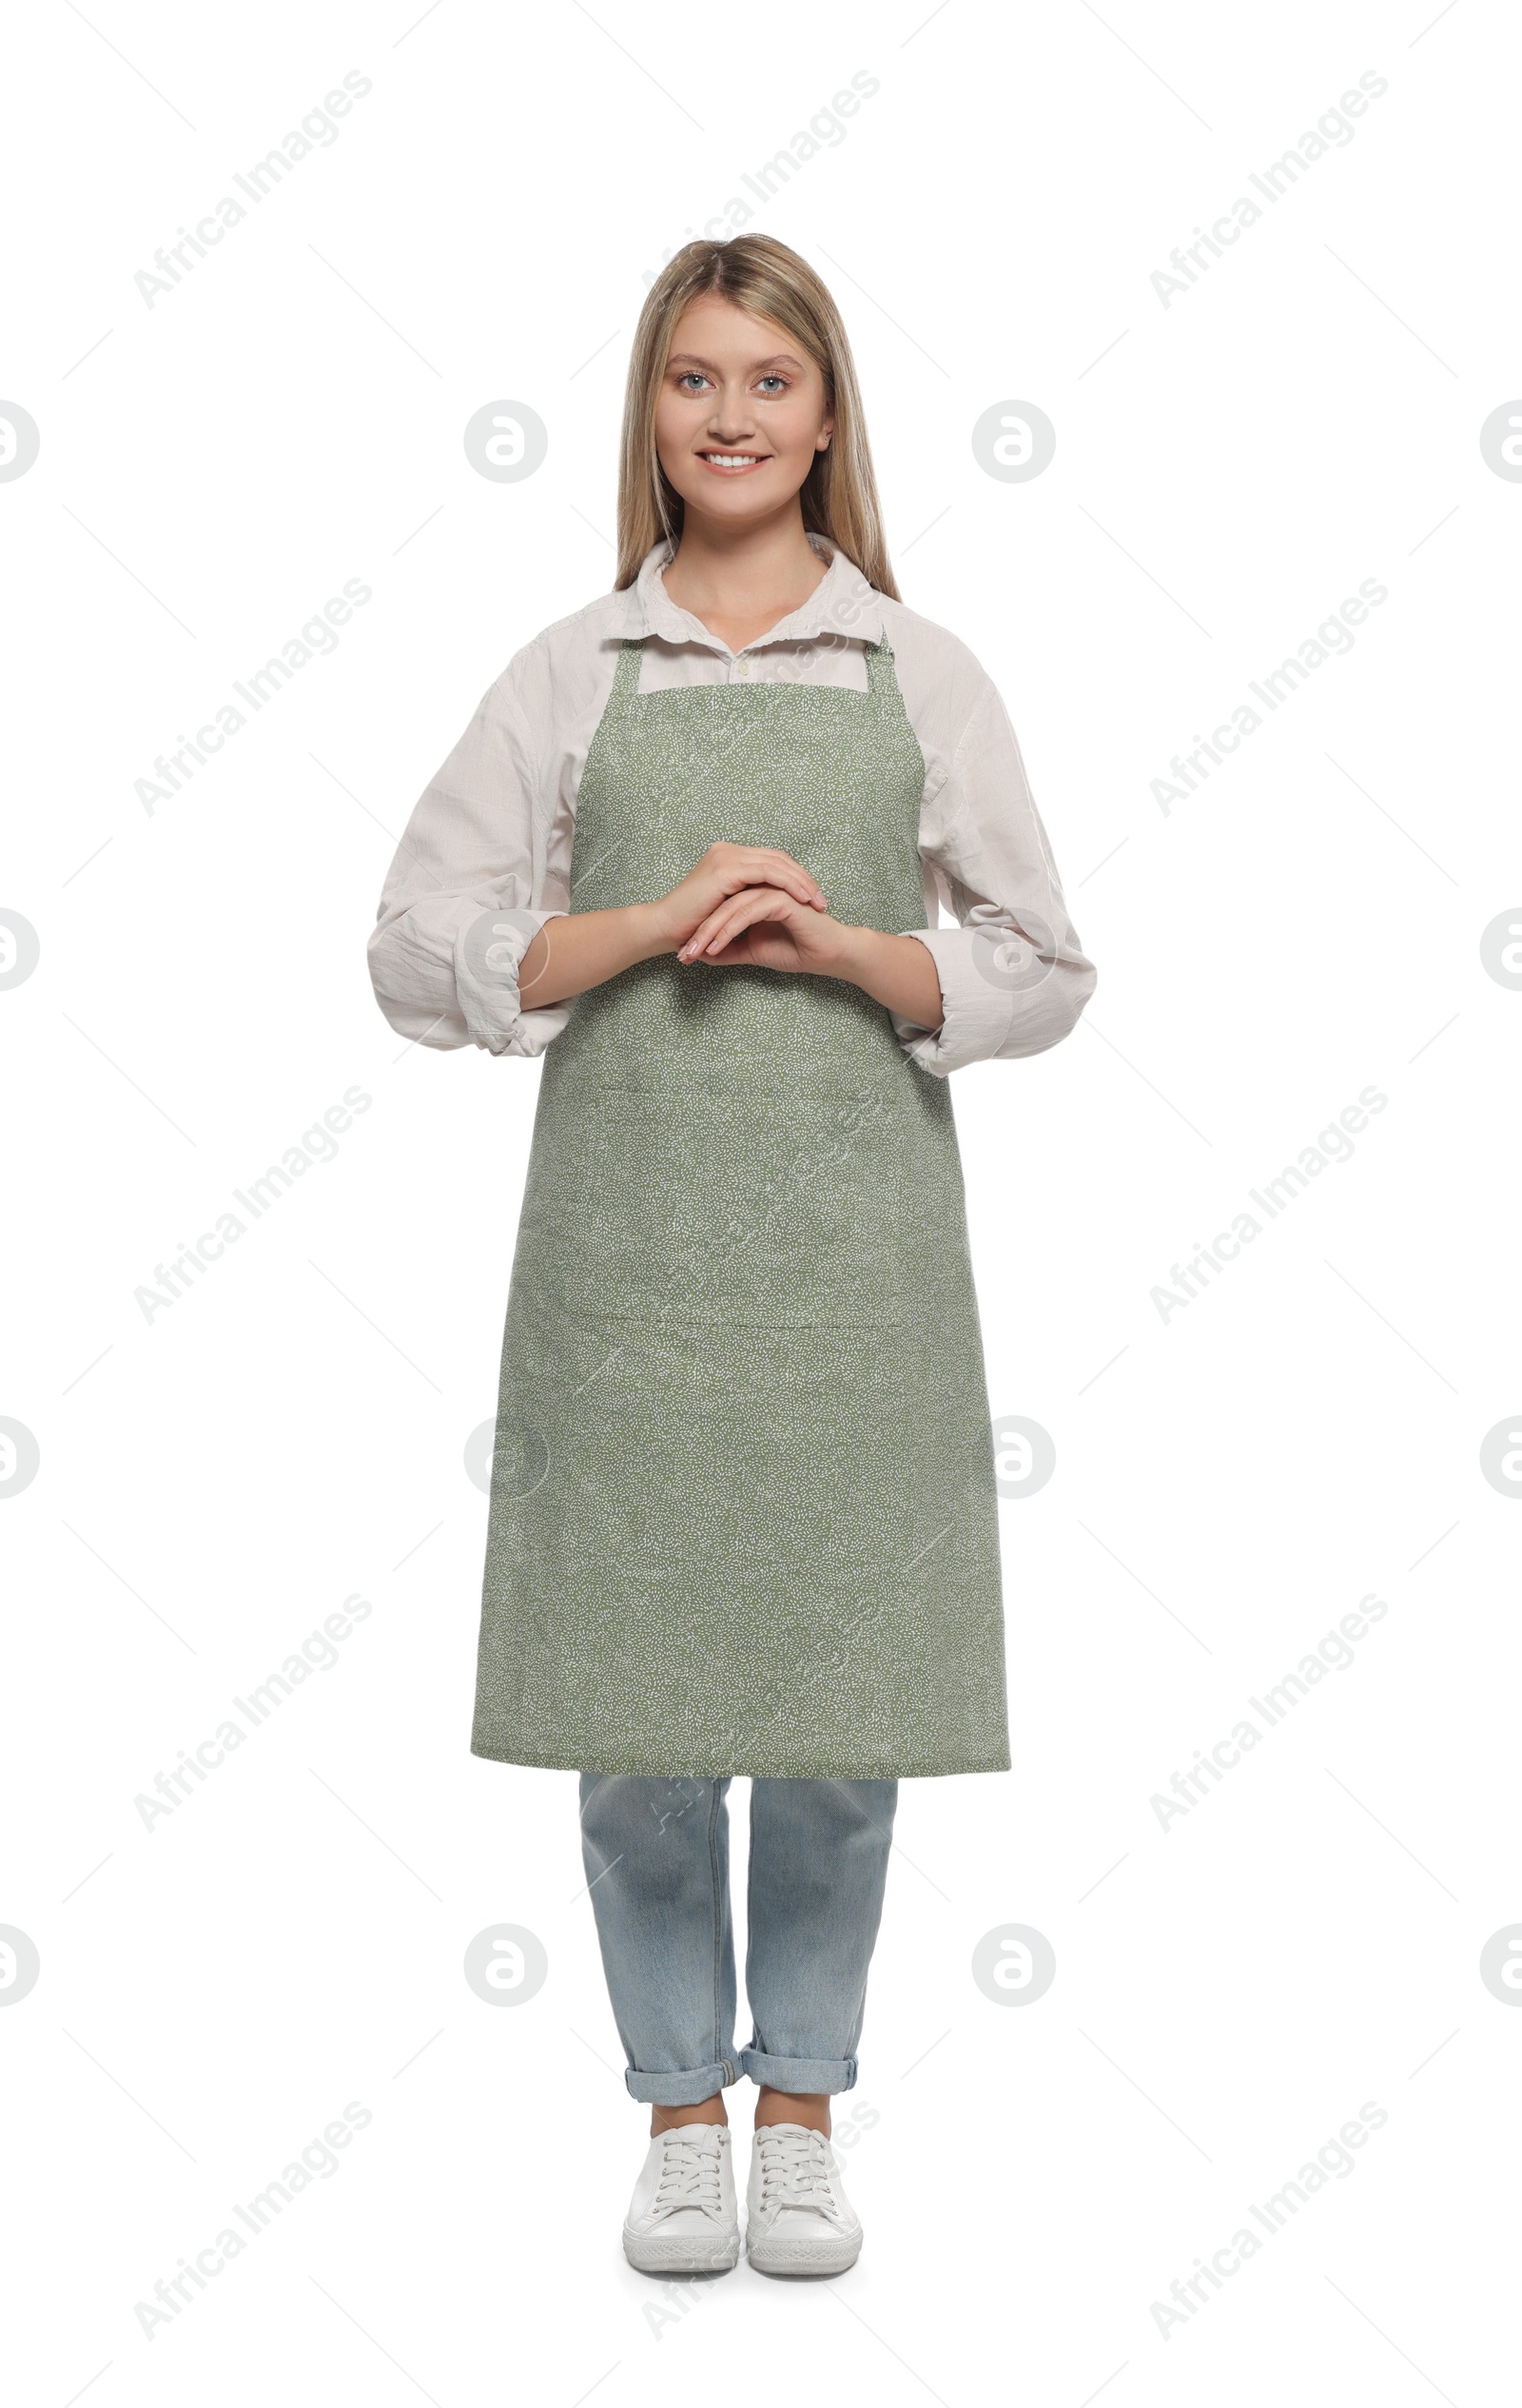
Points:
(796, 2170)
(689, 2173)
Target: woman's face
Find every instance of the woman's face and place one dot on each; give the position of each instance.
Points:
(738, 388)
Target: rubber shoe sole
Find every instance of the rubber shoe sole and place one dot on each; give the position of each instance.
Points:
(681, 2253)
(825, 2256)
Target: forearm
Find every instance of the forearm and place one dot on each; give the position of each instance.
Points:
(898, 972)
(578, 950)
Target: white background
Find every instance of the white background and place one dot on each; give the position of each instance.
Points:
(1230, 1481)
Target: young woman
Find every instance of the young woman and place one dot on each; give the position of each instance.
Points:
(743, 1515)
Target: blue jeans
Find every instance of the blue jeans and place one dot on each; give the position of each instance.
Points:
(657, 1859)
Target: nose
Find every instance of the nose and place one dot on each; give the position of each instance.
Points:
(731, 422)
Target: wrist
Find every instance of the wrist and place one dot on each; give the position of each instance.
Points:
(897, 972)
(853, 954)
(648, 933)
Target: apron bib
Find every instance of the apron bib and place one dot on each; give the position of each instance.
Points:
(743, 1513)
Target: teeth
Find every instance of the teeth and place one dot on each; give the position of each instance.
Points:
(732, 459)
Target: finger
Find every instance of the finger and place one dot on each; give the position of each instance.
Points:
(742, 911)
(779, 870)
(763, 866)
(692, 945)
(756, 904)
(720, 925)
(762, 897)
(793, 881)
(785, 870)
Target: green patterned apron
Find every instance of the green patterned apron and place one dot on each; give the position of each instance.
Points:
(743, 1515)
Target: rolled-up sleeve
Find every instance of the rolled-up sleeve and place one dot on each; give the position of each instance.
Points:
(469, 889)
(1013, 975)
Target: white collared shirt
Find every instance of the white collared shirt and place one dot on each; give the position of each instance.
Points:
(492, 831)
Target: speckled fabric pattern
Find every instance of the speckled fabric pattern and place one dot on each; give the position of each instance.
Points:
(743, 1516)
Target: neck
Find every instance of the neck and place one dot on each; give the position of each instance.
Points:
(734, 568)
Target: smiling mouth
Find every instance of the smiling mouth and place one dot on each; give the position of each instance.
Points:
(733, 463)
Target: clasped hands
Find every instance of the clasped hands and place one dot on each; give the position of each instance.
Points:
(739, 903)
(749, 904)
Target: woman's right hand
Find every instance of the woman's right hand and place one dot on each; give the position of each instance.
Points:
(723, 870)
(578, 950)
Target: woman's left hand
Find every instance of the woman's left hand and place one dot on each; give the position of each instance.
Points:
(770, 930)
(774, 931)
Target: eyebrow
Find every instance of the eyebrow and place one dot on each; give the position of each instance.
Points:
(694, 360)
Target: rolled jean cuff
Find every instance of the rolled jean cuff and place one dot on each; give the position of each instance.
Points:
(681, 2090)
(799, 2074)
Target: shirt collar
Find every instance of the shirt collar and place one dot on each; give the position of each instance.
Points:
(843, 603)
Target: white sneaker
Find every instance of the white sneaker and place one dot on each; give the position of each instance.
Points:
(798, 2219)
(682, 2218)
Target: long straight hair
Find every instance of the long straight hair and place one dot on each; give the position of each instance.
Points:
(839, 496)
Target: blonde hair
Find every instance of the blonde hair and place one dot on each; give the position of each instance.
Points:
(839, 496)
